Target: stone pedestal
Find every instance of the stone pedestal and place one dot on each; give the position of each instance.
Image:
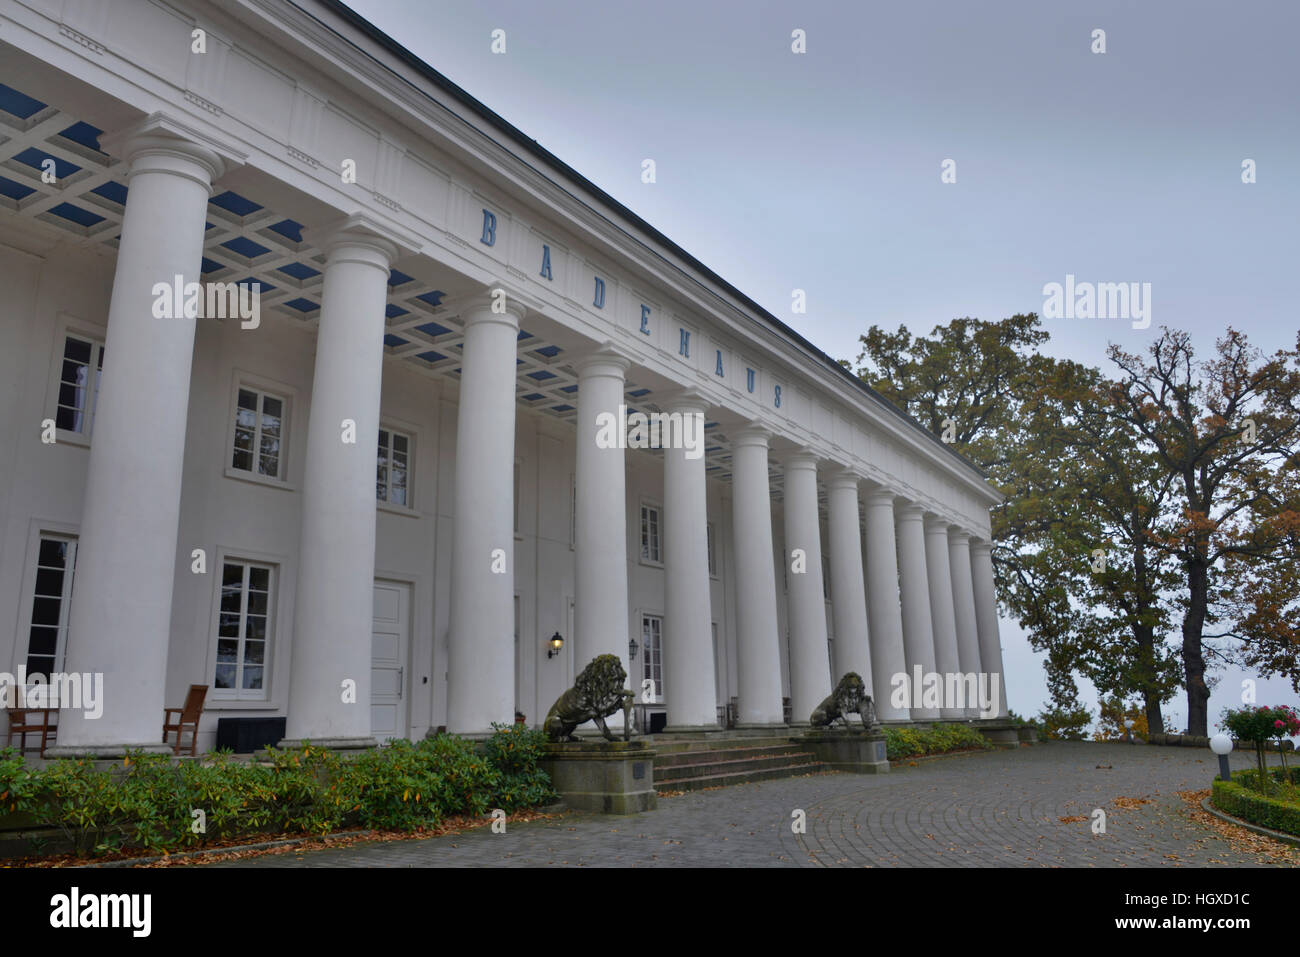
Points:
(1000, 732)
(852, 750)
(609, 777)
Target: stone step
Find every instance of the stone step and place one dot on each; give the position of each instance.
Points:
(679, 758)
(670, 745)
(698, 769)
(737, 777)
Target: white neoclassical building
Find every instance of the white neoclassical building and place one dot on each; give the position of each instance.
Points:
(368, 499)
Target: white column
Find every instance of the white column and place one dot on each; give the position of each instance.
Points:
(848, 587)
(884, 612)
(120, 623)
(689, 689)
(758, 646)
(963, 608)
(334, 603)
(600, 597)
(918, 628)
(986, 617)
(810, 666)
(947, 661)
(481, 642)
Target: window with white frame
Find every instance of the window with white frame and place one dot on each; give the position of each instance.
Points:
(259, 433)
(244, 629)
(79, 375)
(652, 655)
(713, 555)
(47, 634)
(393, 473)
(651, 524)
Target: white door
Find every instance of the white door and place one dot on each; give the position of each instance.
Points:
(389, 637)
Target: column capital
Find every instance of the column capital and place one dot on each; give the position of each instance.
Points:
(880, 496)
(604, 359)
(802, 458)
(361, 238)
(162, 143)
(686, 400)
(936, 524)
(958, 536)
(980, 546)
(841, 476)
(909, 512)
(496, 303)
(752, 433)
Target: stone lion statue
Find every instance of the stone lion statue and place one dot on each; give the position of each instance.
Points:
(596, 693)
(849, 697)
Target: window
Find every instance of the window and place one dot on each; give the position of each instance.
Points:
(392, 477)
(259, 429)
(652, 655)
(56, 557)
(243, 630)
(651, 523)
(826, 577)
(713, 555)
(79, 374)
(516, 498)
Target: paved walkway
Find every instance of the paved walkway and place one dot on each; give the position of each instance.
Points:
(1001, 808)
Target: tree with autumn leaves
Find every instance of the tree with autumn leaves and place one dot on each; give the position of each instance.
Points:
(1152, 521)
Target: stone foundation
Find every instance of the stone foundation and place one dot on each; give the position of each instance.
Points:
(609, 777)
(857, 752)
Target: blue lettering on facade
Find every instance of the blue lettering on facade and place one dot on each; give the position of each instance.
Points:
(599, 301)
(645, 319)
(546, 261)
(778, 397)
(489, 237)
(749, 379)
(684, 348)
(718, 369)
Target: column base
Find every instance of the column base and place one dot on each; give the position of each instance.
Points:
(331, 744)
(99, 751)
(777, 727)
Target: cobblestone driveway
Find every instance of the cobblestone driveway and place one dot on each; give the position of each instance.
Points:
(1000, 808)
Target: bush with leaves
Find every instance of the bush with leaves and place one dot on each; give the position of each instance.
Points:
(155, 803)
(937, 739)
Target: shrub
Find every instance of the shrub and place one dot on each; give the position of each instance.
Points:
(150, 802)
(1110, 722)
(1241, 798)
(1065, 724)
(1257, 726)
(938, 739)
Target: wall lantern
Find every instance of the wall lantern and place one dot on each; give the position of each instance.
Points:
(556, 644)
(631, 649)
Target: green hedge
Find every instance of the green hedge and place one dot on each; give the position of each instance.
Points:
(1240, 798)
(912, 742)
(149, 801)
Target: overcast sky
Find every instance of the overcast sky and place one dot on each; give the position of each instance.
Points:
(821, 171)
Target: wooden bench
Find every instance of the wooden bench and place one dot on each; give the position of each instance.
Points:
(25, 721)
(187, 718)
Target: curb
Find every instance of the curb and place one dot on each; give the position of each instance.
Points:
(223, 851)
(1253, 828)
